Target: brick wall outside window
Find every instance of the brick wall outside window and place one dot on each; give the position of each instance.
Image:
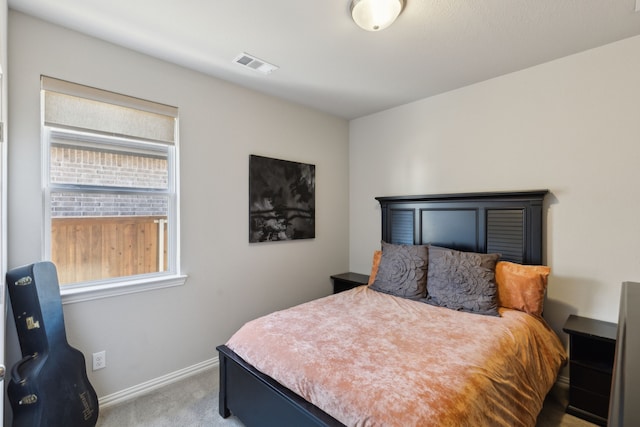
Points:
(71, 165)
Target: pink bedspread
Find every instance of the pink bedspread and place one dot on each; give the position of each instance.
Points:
(371, 359)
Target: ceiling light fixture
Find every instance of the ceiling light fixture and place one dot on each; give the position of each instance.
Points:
(375, 15)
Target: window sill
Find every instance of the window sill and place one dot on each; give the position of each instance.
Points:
(106, 290)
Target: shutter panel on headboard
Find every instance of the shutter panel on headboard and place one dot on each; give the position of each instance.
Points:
(509, 223)
(402, 226)
(505, 233)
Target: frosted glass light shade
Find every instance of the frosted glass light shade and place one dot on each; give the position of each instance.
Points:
(375, 15)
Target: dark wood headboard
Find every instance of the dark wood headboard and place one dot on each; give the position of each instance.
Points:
(509, 223)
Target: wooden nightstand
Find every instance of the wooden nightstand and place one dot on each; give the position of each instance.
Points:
(592, 345)
(346, 281)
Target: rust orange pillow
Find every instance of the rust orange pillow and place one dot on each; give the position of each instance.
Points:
(377, 255)
(522, 287)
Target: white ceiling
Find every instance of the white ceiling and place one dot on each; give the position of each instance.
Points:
(328, 63)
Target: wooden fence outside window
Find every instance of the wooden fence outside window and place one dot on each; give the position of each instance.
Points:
(93, 248)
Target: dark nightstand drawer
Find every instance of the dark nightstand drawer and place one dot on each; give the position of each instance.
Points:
(591, 353)
(345, 281)
(596, 404)
(591, 379)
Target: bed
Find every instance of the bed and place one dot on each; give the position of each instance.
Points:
(412, 347)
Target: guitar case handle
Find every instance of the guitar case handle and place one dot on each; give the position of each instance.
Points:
(15, 371)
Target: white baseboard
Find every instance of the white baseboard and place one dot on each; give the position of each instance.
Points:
(156, 383)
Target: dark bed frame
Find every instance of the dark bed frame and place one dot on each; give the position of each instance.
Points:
(509, 223)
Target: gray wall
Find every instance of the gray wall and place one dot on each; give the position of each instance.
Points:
(150, 334)
(570, 125)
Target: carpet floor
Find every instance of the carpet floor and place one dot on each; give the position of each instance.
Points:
(193, 402)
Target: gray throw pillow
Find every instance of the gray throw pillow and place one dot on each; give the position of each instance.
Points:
(462, 280)
(402, 271)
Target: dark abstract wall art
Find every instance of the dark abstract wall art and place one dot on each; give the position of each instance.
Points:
(281, 200)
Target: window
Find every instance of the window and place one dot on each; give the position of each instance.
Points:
(110, 191)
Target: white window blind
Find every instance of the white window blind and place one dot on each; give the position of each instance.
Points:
(74, 106)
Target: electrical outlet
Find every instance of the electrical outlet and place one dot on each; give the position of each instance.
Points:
(99, 360)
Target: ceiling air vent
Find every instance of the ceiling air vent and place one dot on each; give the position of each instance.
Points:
(254, 63)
